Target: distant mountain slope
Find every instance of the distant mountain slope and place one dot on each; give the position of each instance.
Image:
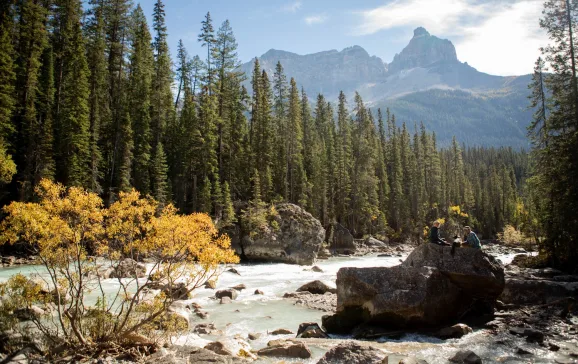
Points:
(424, 82)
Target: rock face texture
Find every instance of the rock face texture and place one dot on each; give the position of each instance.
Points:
(432, 287)
(472, 270)
(293, 236)
(423, 50)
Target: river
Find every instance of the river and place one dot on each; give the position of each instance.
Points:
(251, 313)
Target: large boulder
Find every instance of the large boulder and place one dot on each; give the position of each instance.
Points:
(342, 241)
(475, 272)
(431, 288)
(400, 296)
(292, 235)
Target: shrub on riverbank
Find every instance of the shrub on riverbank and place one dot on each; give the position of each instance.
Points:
(77, 239)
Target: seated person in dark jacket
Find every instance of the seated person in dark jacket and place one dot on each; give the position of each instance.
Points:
(434, 235)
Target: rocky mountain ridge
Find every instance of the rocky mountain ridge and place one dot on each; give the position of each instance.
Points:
(425, 82)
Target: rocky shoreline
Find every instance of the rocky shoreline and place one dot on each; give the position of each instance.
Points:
(534, 320)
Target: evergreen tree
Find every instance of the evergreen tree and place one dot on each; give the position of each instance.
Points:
(228, 209)
(99, 103)
(344, 160)
(205, 201)
(207, 39)
(140, 83)
(280, 95)
(295, 172)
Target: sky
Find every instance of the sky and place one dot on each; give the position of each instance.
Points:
(500, 37)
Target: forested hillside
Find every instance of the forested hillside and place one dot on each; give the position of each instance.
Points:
(86, 99)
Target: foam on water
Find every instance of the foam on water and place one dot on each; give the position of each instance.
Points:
(252, 313)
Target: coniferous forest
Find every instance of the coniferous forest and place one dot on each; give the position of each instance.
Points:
(90, 96)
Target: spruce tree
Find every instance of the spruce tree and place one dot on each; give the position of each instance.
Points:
(280, 91)
(344, 160)
(228, 209)
(98, 101)
(140, 83)
(207, 39)
(160, 187)
(296, 177)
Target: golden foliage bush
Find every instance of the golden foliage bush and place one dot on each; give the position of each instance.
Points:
(76, 238)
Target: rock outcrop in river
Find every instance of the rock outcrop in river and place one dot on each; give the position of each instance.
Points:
(431, 287)
(291, 236)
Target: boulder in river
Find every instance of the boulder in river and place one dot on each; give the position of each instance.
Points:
(129, 268)
(524, 291)
(291, 236)
(454, 332)
(431, 288)
(466, 357)
(475, 272)
(231, 293)
(311, 330)
(316, 287)
(286, 349)
(352, 352)
(282, 332)
(342, 242)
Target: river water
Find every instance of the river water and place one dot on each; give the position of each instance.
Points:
(251, 313)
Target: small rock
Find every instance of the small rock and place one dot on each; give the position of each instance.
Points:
(234, 271)
(202, 315)
(553, 347)
(259, 292)
(317, 269)
(231, 293)
(218, 348)
(288, 350)
(454, 332)
(239, 287)
(178, 291)
(352, 352)
(316, 287)
(129, 268)
(254, 335)
(522, 351)
(225, 300)
(310, 330)
(211, 284)
(466, 357)
(402, 359)
(282, 332)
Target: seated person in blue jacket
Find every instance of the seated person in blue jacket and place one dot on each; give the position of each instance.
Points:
(434, 235)
(471, 240)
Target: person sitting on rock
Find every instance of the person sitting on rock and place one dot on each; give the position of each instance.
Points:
(471, 239)
(434, 235)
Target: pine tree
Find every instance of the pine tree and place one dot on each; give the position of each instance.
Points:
(205, 201)
(140, 83)
(280, 91)
(125, 155)
(381, 169)
(7, 76)
(32, 40)
(162, 113)
(207, 39)
(538, 129)
(344, 160)
(160, 187)
(228, 82)
(72, 109)
(98, 101)
(295, 172)
(228, 209)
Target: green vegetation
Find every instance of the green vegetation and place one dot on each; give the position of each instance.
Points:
(554, 183)
(99, 101)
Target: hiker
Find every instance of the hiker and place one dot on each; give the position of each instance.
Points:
(434, 235)
(471, 239)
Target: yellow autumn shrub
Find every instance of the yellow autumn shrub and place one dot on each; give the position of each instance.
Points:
(77, 239)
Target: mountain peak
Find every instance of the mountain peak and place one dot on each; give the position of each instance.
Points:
(422, 51)
(419, 32)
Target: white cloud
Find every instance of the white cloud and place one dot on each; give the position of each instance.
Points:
(496, 37)
(315, 19)
(292, 7)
